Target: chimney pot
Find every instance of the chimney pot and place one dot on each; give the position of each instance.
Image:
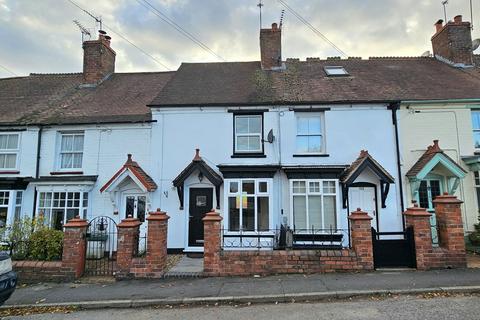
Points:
(275, 26)
(439, 25)
(457, 19)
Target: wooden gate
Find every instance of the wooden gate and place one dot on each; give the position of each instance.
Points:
(101, 248)
(394, 249)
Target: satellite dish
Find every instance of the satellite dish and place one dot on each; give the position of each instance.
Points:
(426, 54)
(270, 137)
(475, 44)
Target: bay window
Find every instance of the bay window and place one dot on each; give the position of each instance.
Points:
(314, 204)
(248, 205)
(59, 207)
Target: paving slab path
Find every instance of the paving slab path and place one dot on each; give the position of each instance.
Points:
(228, 287)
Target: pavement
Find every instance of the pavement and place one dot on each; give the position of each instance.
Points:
(282, 288)
(460, 307)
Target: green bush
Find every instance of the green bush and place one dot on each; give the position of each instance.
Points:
(46, 244)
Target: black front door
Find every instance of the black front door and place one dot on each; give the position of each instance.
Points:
(200, 203)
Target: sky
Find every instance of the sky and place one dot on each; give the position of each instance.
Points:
(39, 36)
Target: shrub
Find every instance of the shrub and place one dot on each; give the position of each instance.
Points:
(46, 244)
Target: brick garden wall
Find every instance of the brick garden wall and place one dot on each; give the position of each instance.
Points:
(218, 262)
(42, 271)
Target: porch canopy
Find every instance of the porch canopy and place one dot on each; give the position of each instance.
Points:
(131, 169)
(363, 162)
(198, 164)
(435, 161)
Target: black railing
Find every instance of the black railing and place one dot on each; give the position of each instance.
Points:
(249, 239)
(284, 237)
(331, 238)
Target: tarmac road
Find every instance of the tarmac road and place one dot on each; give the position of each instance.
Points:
(397, 307)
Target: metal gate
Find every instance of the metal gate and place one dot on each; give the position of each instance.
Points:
(101, 248)
(397, 251)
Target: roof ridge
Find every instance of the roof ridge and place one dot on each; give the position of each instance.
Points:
(32, 74)
(398, 57)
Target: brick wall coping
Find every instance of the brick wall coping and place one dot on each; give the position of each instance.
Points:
(359, 215)
(212, 216)
(446, 198)
(416, 211)
(129, 223)
(157, 215)
(76, 223)
(36, 264)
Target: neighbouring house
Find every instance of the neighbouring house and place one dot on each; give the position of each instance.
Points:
(439, 143)
(63, 136)
(278, 147)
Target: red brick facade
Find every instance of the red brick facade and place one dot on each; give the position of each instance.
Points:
(451, 251)
(218, 262)
(453, 41)
(42, 271)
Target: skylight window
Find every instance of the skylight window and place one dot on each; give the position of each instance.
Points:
(335, 71)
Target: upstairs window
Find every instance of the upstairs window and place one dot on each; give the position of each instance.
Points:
(71, 150)
(248, 133)
(476, 128)
(8, 151)
(309, 133)
(335, 71)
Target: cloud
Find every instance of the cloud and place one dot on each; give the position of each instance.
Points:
(39, 36)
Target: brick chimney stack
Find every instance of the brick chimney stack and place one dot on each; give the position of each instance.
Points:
(98, 59)
(271, 47)
(453, 41)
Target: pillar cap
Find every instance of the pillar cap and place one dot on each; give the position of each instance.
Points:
(359, 215)
(416, 211)
(158, 215)
(212, 216)
(447, 198)
(129, 223)
(76, 223)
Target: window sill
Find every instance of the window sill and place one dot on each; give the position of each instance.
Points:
(59, 173)
(248, 155)
(9, 172)
(306, 155)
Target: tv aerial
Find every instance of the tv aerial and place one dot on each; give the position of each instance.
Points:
(83, 30)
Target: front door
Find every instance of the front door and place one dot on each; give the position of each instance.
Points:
(136, 206)
(365, 199)
(200, 202)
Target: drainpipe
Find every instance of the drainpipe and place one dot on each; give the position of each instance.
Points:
(37, 168)
(395, 107)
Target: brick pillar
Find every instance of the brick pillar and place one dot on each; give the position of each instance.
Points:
(450, 228)
(419, 219)
(157, 240)
(361, 233)
(212, 245)
(127, 244)
(74, 246)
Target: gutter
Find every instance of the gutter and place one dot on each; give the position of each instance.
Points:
(473, 100)
(37, 168)
(394, 107)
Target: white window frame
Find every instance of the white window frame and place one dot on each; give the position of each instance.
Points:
(15, 151)
(256, 194)
(60, 152)
(236, 135)
(320, 193)
(475, 130)
(82, 210)
(321, 115)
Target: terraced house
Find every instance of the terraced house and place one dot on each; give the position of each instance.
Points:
(272, 144)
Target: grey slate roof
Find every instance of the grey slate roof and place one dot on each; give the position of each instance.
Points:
(305, 82)
(59, 99)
